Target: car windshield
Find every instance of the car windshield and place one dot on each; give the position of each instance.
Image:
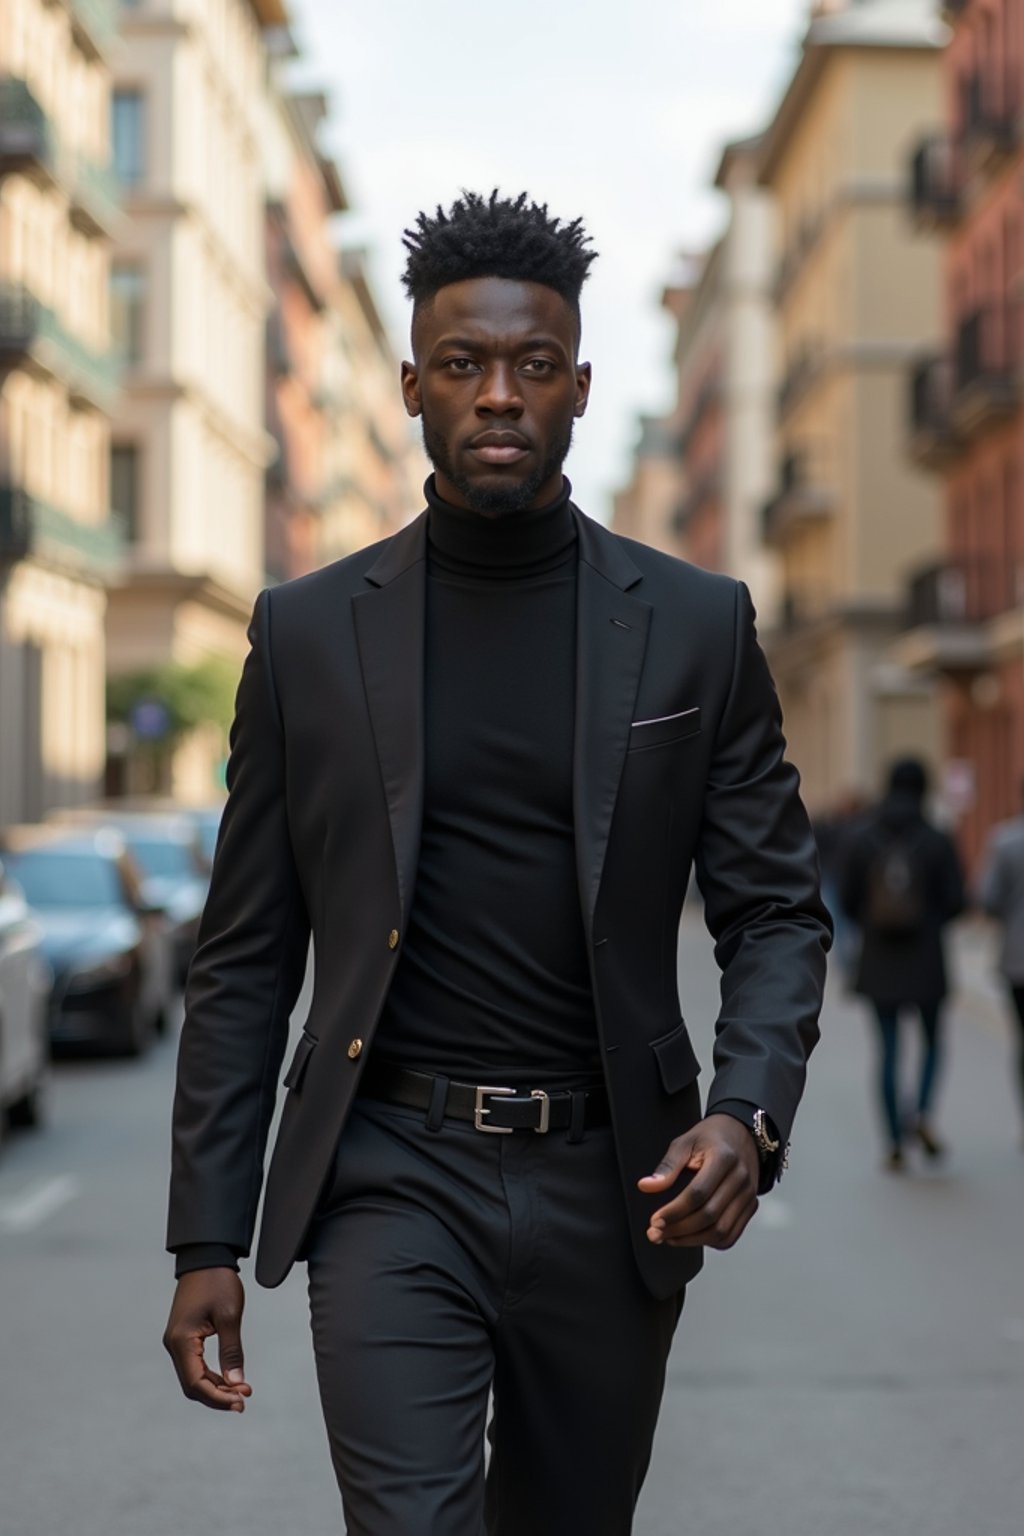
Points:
(209, 826)
(66, 879)
(161, 857)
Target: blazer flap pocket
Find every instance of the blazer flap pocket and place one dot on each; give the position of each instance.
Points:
(657, 733)
(677, 1060)
(303, 1051)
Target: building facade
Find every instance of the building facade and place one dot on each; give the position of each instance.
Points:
(59, 545)
(702, 472)
(857, 294)
(189, 306)
(965, 611)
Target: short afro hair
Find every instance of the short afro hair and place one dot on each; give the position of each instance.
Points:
(496, 237)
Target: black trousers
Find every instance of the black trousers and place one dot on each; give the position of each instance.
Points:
(447, 1264)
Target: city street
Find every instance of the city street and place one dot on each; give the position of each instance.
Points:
(855, 1366)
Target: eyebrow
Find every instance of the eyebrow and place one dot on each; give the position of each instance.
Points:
(531, 343)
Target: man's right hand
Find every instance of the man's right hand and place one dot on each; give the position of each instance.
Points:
(206, 1302)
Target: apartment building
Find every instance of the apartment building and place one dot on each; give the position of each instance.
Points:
(965, 620)
(189, 305)
(304, 191)
(59, 544)
(374, 466)
(702, 473)
(857, 293)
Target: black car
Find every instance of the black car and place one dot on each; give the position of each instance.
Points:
(105, 945)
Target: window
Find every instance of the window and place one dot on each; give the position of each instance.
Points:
(128, 134)
(124, 485)
(128, 311)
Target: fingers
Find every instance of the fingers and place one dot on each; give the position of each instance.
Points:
(718, 1224)
(209, 1302)
(668, 1170)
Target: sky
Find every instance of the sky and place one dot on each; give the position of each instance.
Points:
(615, 110)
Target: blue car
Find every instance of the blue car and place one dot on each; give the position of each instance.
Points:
(106, 946)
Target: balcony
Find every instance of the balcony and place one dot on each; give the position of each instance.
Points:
(802, 499)
(95, 195)
(935, 183)
(32, 527)
(948, 608)
(990, 129)
(704, 490)
(33, 336)
(934, 441)
(987, 383)
(27, 142)
(95, 23)
(798, 378)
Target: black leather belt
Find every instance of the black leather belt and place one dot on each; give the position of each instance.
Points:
(497, 1111)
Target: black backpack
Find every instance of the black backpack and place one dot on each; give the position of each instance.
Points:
(896, 902)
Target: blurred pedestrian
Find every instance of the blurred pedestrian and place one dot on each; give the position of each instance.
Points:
(834, 834)
(901, 886)
(478, 760)
(1001, 894)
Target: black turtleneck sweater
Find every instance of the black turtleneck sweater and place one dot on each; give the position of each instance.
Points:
(493, 984)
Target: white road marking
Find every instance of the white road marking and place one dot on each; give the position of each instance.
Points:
(33, 1206)
(773, 1215)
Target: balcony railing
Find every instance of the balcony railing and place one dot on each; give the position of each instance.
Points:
(933, 434)
(935, 182)
(32, 527)
(26, 133)
(987, 352)
(803, 496)
(989, 125)
(30, 329)
(97, 19)
(963, 592)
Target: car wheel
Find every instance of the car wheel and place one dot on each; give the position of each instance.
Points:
(139, 1031)
(26, 1113)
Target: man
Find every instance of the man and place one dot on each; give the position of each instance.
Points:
(1001, 894)
(477, 760)
(902, 885)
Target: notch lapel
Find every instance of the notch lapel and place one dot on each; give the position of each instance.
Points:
(389, 620)
(611, 639)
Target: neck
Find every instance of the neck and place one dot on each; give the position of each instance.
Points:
(526, 542)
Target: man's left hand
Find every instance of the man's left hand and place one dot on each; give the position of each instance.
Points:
(714, 1208)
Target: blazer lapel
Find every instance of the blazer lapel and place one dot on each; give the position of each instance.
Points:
(389, 620)
(611, 638)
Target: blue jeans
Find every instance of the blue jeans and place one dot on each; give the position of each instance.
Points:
(889, 1063)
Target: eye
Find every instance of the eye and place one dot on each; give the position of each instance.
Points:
(540, 365)
(458, 364)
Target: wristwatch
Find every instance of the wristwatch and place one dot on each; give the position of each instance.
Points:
(772, 1155)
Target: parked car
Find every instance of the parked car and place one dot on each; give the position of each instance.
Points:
(107, 947)
(175, 876)
(24, 990)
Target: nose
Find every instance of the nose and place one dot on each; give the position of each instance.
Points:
(499, 393)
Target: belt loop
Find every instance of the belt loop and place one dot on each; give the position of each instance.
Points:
(577, 1114)
(438, 1103)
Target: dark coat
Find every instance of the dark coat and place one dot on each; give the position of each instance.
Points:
(678, 760)
(894, 970)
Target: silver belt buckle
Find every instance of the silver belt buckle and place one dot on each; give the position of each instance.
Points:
(481, 1109)
(545, 1110)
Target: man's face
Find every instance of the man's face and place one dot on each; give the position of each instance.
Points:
(497, 384)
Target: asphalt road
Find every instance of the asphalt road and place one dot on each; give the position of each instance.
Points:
(855, 1366)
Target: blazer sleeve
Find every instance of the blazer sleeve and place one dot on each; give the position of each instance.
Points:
(757, 868)
(244, 979)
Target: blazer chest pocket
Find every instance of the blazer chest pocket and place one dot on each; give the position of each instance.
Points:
(663, 730)
(676, 1058)
(300, 1061)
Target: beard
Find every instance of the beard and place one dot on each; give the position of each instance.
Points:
(497, 499)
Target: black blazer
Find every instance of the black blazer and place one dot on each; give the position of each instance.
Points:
(678, 757)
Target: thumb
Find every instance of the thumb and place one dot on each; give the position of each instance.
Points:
(675, 1160)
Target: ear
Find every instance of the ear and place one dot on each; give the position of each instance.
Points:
(582, 388)
(411, 390)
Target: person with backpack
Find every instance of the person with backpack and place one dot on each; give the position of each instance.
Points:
(902, 884)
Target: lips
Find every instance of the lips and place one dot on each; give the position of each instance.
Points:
(499, 447)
